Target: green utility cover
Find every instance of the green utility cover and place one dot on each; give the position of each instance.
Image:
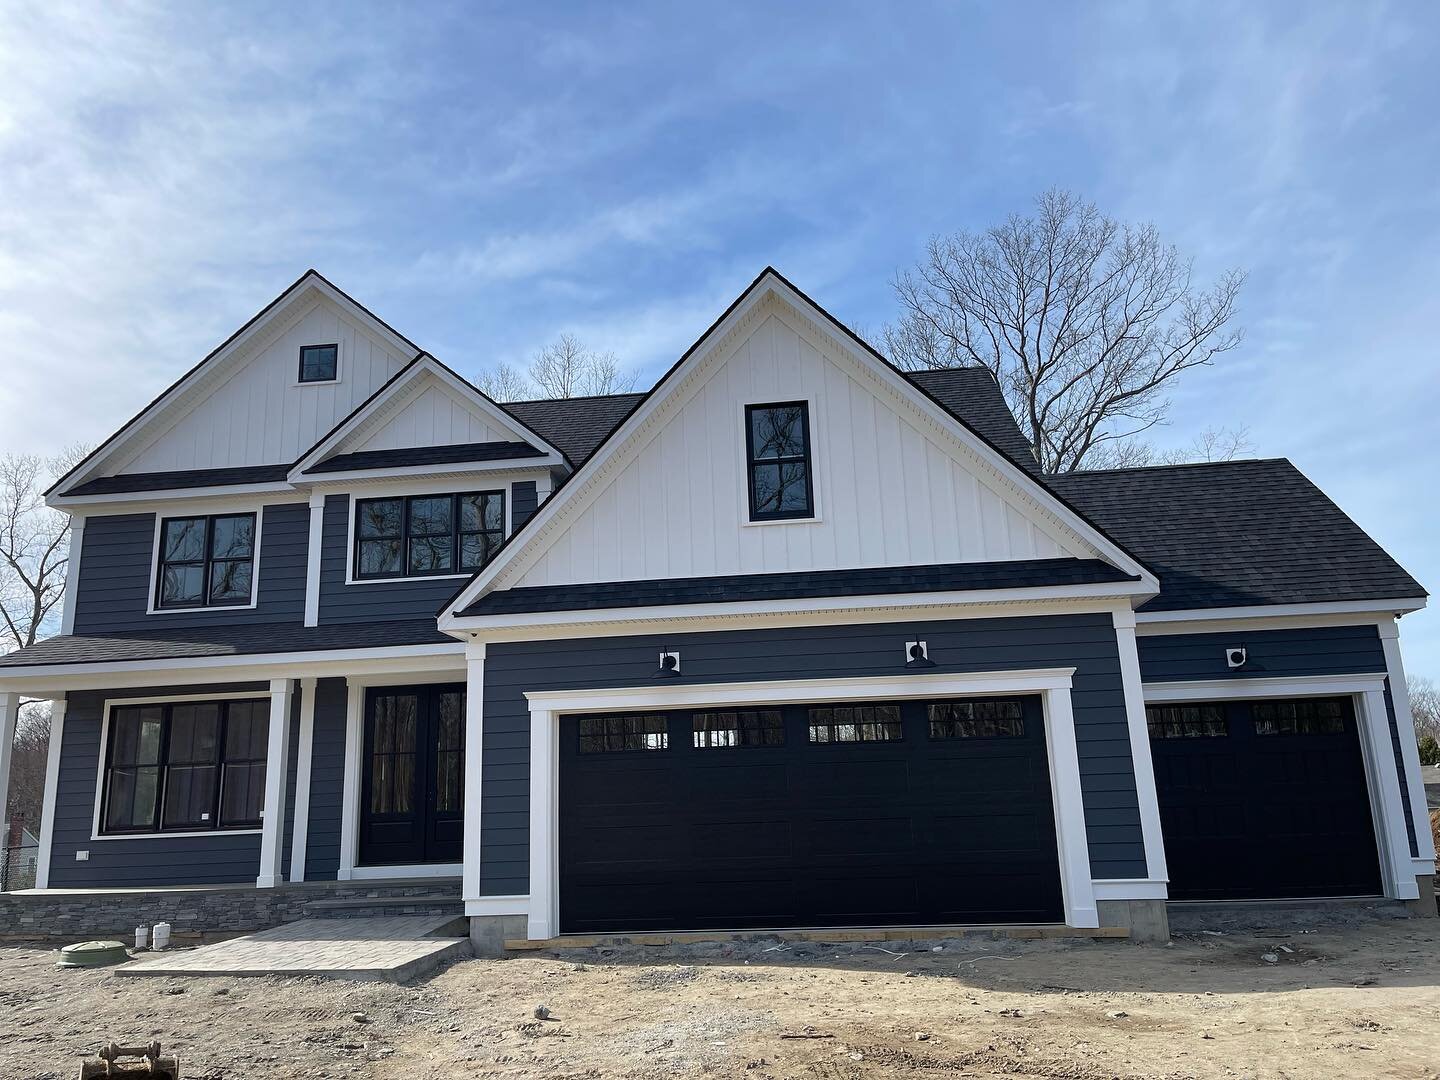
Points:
(92, 954)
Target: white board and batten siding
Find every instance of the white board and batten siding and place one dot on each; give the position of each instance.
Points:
(256, 412)
(432, 415)
(891, 488)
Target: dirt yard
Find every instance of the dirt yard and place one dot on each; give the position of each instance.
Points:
(1352, 998)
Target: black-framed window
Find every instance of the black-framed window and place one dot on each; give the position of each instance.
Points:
(185, 766)
(1201, 721)
(610, 734)
(206, 561)
(1307, 716)
(319, 363)
(855, 723)
(976, 719)
(742, 727)
(777, 446)
(426, 535)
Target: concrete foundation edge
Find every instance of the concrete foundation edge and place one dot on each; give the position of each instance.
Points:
(1425, 906)
(1147, 920)
(488, 933)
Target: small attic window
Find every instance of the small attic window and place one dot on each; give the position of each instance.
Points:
(319, 363)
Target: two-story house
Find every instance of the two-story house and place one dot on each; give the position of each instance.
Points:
(791, 640)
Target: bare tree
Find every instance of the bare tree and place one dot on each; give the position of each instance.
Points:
(563, 369)
(34, 547)
(1424, 705)
(1084, 321)
(27, 765)
(1212, 444)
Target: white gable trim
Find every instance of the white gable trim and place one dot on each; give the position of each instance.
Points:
(399, 392)
(167, 409)
(771, 294)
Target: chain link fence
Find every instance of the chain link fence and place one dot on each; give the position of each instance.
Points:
(17, 867)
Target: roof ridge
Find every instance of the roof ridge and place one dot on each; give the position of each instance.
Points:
(575, 397)
(1170, 465)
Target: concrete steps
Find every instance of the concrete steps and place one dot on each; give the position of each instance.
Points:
(383, 900)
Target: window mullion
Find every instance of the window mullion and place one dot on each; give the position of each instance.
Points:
(162, 761)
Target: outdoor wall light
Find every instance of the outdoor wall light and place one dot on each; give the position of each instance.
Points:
(917, 655)
(669, 665)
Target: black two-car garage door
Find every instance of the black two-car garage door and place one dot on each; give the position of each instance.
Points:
(807, 815)
(1263, 799)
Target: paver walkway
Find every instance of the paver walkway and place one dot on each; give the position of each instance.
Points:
(384, 949)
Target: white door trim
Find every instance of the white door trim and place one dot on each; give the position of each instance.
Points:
(1052, 684)
(1409, 749)
(1146, 796)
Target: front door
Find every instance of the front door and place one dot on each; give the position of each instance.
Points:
(413, 786)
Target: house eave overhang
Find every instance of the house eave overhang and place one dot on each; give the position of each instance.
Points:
(1274, 616)
(460, 468)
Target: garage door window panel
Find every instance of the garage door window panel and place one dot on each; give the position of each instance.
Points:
(619, 734)
(856, 724)
(1206, 721)
(1304, 717)
(976, 720)
(744, 728)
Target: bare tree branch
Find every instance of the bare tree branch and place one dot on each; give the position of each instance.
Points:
(1084, 322)
(34, 547)
(563, 369)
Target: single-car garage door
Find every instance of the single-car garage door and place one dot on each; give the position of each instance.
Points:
(1263, 799)
(807, 815)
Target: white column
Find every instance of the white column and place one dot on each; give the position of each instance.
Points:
(272, 825)
(312, 558)
(1149, 800)
(350, 797)
(1070, 833)
(52, 787)
(1409, 751)
(72, 573)
(543, 919)
(474, 760)
(302, 779)
(9, 713)
(1385, 799)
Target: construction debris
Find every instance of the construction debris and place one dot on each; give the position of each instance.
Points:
(148, 1061)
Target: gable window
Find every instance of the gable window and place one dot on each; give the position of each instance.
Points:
(186, 766)
(777, 445)
(427, 535)
(206, 561)
(319, 363)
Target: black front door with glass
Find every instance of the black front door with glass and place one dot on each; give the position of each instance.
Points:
(412, 798)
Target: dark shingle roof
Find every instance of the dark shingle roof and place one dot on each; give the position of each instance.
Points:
(954, 577)
(223, 641)
(1237, 534)
(184, 478)
(972, 394)
(576, 426)
(424, 455)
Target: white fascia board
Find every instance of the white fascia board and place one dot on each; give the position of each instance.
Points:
(1020, 601)
(450, 469)
(772, 691)
(1241, 688)
(168, 498)
(249, 667)
(767, 286)
(1183, 622)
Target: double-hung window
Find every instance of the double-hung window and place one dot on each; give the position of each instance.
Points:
(777, 446)
(206, 561)
(185, 766)
(427, 535)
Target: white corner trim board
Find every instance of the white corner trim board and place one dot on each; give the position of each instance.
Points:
(52, 788)
(1052, 684)
(300, 828)
(1409, 748)
(1139, 730)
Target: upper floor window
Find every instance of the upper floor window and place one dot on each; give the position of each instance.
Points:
(425, 535)
(777, 444)
(206, 561)
(319, 363)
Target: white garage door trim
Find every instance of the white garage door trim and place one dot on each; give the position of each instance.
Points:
(1367, 690)
(1052, 684)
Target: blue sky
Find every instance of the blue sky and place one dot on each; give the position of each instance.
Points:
(487, 176)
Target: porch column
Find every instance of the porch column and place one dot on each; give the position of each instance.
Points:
(1409, 750)
(9, 713)
(474, 761)
(52, 787)
(1149, 800)
(272, 832)
(302, 779)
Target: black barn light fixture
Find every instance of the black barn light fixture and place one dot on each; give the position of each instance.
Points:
(917, 655)
(669, 665)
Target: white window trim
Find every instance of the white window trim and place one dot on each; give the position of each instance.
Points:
(151, 607)
(354, 497)
(339, 344)
(812, 411)
(546, 708)
(169, 699)
(1367, 693)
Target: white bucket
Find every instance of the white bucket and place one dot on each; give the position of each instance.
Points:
(160, 936)
(142, 936)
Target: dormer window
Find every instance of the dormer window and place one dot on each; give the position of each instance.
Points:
(777, 444)
(319, 363)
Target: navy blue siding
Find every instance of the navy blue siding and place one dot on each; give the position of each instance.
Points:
(221, 858)
(118, 556)
(370, 600)
(1085, 642)
(327, 781)
(523, 500)
(1317, 650)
